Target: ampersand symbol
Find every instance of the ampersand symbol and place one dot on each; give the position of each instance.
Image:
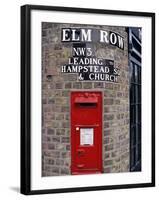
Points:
(80, 77)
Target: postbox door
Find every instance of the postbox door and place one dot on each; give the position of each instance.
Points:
(86, 132)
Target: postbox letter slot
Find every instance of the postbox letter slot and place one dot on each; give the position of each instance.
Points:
(83, 104)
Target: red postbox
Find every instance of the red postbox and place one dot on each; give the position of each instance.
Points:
(86, 132)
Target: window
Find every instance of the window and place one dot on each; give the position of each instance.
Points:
(135, 98)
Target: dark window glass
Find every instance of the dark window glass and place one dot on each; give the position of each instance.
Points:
(139, 75)
(133, 74)
(134, 155)
(139, 132)
(136, 45)
(134, 136)
(139, 94)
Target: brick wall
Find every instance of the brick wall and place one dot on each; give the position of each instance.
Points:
(56, 88)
